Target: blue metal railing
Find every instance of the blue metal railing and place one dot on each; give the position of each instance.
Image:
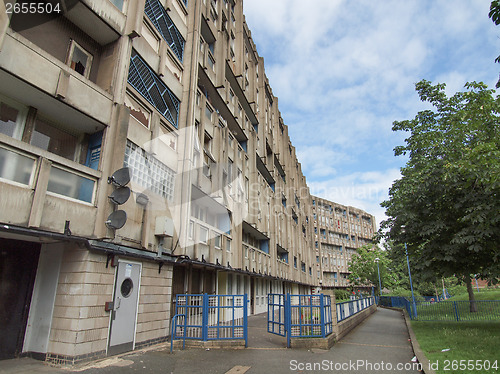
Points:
(173, 327)
(486, 310)
(347, 309)
(299, 316)
(210, 317)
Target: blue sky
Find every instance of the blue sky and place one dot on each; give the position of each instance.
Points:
(344, 70)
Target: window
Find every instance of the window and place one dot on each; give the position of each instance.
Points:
(295, 262)
(164, 24)
(228, 244)
(117, 3)
(68, 184)
(217, 241)
(150, 36)
(79, 59)
(207, 143)
(149, 172)
(211, 62)
(203, 235)
(155, 91)
(230, 170)
(12, 118)
(53, 139)
(16, 167)
(303, 266)
(138, 112)
(191, 230)
(208, 112)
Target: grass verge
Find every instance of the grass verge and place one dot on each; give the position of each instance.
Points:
(472, 346)
(493, 294)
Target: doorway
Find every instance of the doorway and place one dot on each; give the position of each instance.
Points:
(18, 265)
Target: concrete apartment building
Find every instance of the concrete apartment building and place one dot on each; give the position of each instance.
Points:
(338, 231)
(213, 199)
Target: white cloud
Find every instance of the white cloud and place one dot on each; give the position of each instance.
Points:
(361, 190)
(345, 70)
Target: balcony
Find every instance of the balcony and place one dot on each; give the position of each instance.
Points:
(24, 60)
(41, 189)
(102, 20)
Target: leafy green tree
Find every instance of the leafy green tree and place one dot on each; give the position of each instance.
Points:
(495, 17)
(363, 267)
(448, 198)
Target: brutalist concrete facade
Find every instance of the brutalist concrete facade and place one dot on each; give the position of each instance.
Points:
(338, 231)
(174, 91)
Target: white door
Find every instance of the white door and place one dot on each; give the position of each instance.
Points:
(124, 313)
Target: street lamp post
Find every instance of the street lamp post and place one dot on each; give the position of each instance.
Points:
(403, 230)
(411, 283)
(379, 282)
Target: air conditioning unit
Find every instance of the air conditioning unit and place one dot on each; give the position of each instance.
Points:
(164, 226)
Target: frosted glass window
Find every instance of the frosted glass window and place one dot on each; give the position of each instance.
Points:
(16, 167)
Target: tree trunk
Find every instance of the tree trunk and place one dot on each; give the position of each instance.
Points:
(470, 291)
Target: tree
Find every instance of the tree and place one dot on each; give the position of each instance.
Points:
(448, 198)
(363, 267)
(495, 17)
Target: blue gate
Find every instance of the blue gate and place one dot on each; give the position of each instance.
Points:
(210, 317)
(299, 316)
(276, 314)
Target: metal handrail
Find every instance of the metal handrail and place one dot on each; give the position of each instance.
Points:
(173, 326)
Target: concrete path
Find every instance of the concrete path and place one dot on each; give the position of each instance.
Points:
(378, 345)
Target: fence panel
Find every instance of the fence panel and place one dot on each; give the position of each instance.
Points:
(352, 307)
(486, 310)
(210, 317)
(299, 316)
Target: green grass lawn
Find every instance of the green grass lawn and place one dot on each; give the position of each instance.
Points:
(472, 344)
(481, 295)
(465, 341)
(488, 308)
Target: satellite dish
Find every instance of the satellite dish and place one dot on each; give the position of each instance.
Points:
(142, 199)
(120, 195)
(116, 220)
(120, 177)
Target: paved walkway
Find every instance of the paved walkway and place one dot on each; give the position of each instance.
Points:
(378, 345)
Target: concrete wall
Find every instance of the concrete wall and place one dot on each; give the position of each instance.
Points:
(80, 323)
(153, 320)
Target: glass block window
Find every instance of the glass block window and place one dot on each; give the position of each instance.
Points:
(149, 172)
(162, 21)
(152, 88)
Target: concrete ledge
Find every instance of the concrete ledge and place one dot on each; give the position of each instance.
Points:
(344, 327)
(421, 357)
(321, 343)
(211, 344)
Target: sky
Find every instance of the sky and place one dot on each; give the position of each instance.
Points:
(344, 70)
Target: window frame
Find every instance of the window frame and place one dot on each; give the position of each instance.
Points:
(90, 58)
